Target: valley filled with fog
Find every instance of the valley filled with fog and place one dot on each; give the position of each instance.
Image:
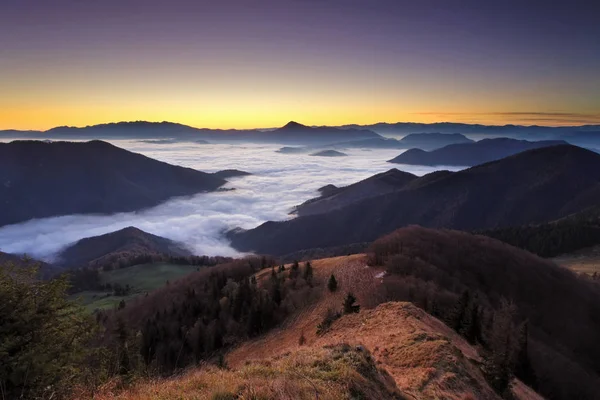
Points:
(278, 183)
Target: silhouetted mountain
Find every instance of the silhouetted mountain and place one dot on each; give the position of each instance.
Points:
(298, 133)
(530, 187)
(105, 249)
(292, 132)
(431, 141)
(469, 154)
(329, 153)
(532, 132)
(230, 173)
(50, 179)
(333, 198)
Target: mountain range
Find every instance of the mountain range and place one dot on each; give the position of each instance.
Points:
(292, 132)
(39, 179)
(530, 187)
(469, 154)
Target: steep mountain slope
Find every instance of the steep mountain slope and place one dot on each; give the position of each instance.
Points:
(48, 179)
(425, 358)
(530, 187)
(104, 249)
(469, 154)
(559, 308)
(333, 198)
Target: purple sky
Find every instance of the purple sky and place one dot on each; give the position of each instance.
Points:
(249, 63)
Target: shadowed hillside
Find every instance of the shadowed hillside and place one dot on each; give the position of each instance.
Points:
(49, 179)
(333, 197)
(123, 244)
(530, 187)
(469, 154)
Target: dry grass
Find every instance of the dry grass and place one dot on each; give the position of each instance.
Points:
(330, 373)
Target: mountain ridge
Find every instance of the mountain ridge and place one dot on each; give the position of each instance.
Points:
(516, 190)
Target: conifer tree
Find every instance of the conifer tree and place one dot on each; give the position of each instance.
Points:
(332, 283)
(349, 306)
(308, 272)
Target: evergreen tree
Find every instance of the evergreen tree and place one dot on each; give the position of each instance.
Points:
(523, 368)
(281, 268)
(308, 272)
(332, 283)
(498, 365)
(349, 306)
(44, 337)
(295, 270)
(456, 318)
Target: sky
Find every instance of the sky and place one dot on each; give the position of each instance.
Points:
(261, 63)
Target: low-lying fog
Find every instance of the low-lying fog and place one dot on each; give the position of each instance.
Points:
(279, 182)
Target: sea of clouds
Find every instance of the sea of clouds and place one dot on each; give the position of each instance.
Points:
(279, 182)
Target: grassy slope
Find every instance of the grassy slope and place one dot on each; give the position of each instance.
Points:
(142, 278)
(425, 358)
(336, 372)
(416, 356)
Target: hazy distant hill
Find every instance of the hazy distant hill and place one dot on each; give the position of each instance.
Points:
(329, 153)
(293, 133)
(532, 132)
(530, 187)
(333, 198)
(48, 179)
(431, 141)
(469, 154)
(104, 249)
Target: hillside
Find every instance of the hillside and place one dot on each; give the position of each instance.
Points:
(530, 187)
(50, 179)
(397, 349)
(125, 243)
(333, 197)
(569, 234)
(432, 141)
(469, 154)
(294, 132)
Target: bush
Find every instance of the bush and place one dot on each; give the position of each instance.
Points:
(330, 317)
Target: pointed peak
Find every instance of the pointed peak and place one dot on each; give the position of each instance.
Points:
(293, 125)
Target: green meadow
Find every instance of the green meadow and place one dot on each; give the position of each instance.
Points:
(141, 278)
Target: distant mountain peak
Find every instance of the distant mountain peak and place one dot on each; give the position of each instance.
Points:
(294, 125)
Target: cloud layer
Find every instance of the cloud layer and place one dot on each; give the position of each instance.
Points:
(279, 182)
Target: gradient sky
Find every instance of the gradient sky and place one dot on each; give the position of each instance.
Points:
(261, 63)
